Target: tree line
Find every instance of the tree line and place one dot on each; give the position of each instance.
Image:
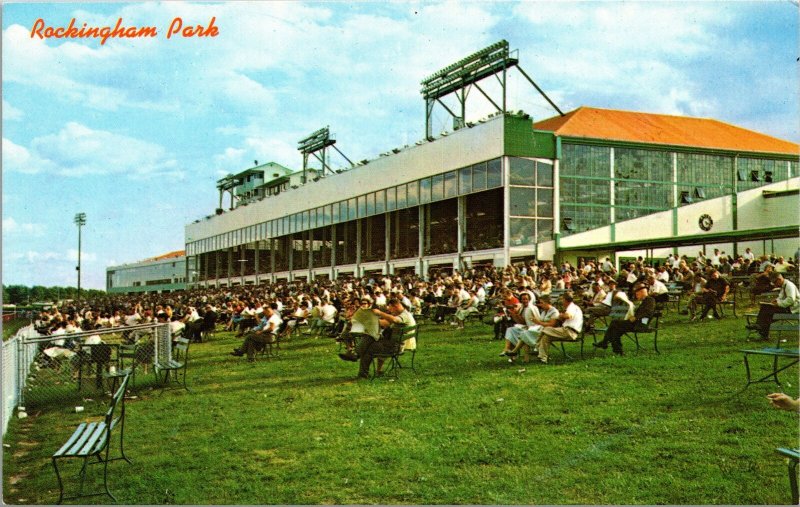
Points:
(23, 295)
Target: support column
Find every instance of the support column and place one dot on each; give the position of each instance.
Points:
(359, 226)
(333, 251)
(675, 203)
(272, 244)
(556, 205)
(230, 265)
(255, 264)
(612, 199)
(420, 240)
(388, 240)
(461, 210)
(506, 213)
(310, 254)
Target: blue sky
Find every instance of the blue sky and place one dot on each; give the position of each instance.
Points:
(135, 132)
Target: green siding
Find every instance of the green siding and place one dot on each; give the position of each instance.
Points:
(518, 139)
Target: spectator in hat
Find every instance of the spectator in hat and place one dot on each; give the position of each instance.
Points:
(618, 327)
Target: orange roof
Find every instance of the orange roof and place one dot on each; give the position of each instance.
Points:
(170, 255)
(630, 126)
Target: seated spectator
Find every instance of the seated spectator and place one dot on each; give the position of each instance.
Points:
(368, 348)
(657, 290)
(715, 292)
(523, 317)
(543, 315)
(264, 333)
(638, 320)
(761, 284)
(788, 301)
(466, 307)
(571, 326)
(325, 318)
(176, 327)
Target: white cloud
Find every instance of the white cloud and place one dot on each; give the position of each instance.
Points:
(10, 112)
(77, 150)
(19, 159)
(11, 226)
(72, 255)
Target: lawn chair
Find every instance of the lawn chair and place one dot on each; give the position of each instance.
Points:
(399, 335)
(650, 327)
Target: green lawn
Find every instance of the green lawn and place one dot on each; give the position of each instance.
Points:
(468, 428)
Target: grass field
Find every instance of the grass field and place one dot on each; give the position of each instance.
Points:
(468, 428)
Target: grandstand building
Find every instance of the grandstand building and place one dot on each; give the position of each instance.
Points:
(165, 273)
(591, 183)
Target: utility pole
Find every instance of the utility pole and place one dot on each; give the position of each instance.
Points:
(80, 221)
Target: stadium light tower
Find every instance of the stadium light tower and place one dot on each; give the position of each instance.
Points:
(80, 221)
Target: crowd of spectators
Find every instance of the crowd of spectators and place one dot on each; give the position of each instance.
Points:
(517, 298)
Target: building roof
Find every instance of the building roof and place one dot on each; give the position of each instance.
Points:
(611, 124)
(170, 255)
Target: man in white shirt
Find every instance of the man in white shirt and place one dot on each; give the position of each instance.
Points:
(570, 329)
(262, 335)
(788, 301)
(544, 315)
(748, 255)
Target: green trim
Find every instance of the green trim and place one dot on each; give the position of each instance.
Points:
(677, 148)
(675, 224)
(786, 231)
(558, 147)
(660, 182)
(769, 194)
(618, 206)
(613, 230)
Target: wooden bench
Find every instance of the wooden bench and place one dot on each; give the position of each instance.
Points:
(94, 440)
(782, 323)
(792, 457)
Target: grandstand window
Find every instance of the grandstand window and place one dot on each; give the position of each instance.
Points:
(523, 201)
(413, 193)
(362, 206)
(401, 196)
(484, 220)
(522, 172)
(437, 187)
(321, 247)
(391, 199)
(643, 182)
(352, 210)
(584, 180)
(335, 213)
(479, 176)
(544, 174)
(404, 233)
(373, 238)
(754, 176)
(380, 201)
(465, 180)
(425, 190)
(494, 173)
(713, 173)
(686, 197)
(522, 231)
(450, 185)
(544, 202)
(370, 198)
(441, 231)
(544, 229)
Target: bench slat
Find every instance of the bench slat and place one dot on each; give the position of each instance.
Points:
(78, 432)
(83, 437)
(95, 442)
(772, 351)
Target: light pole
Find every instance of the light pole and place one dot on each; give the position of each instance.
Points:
(80, 221)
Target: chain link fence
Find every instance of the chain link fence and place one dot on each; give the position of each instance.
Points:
(40, 372)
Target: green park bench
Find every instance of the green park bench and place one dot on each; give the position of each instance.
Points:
(94, 440)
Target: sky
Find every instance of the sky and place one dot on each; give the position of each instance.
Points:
(136, 131)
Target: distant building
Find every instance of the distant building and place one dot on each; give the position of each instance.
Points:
(165, 273)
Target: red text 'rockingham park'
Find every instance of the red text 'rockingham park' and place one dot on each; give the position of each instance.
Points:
(177, 28)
